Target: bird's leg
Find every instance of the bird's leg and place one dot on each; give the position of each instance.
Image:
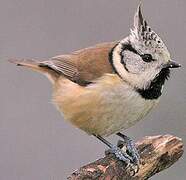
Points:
(119, 153)
(130, 148)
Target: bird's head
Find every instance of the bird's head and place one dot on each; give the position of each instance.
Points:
(141, 57)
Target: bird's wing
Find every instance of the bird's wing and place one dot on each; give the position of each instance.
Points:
(83, 66)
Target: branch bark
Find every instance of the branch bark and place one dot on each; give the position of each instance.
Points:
(157, 154)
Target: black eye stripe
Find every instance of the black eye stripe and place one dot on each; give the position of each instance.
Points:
(146, 57)
(129, 48)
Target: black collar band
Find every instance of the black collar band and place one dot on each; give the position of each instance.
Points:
(155, 89)
(111, 59)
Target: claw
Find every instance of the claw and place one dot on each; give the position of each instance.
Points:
(120, 154)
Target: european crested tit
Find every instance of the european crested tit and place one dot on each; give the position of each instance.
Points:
(109, 87)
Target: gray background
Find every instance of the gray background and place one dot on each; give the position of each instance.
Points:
(35, 142)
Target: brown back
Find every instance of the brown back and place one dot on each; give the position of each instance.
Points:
(83, 66)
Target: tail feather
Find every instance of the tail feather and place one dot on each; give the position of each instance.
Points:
(35, 65)
(30, 63)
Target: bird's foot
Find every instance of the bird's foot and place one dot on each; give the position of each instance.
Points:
(125, 151)
(129, 147)
(132, 152)
(124, 156)
(119, 153)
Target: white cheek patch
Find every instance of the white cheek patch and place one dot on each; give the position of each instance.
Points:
(134, 62)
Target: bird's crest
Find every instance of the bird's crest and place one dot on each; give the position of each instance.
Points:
(142, 34)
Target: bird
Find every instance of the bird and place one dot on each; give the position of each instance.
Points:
(109, 87)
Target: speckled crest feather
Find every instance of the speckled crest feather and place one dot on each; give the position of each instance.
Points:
(142, 35)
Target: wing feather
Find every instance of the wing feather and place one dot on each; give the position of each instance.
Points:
(62, 66)
(83, 66)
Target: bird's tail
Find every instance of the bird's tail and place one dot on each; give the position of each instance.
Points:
(36, 66)
(29, 63)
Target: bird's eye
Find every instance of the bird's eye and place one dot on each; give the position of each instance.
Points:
(147, 57)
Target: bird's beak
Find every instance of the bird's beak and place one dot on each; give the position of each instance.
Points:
(171, 64)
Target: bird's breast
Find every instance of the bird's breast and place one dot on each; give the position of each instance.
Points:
(104, 107)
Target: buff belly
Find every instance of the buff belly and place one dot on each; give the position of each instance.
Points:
(105, 107)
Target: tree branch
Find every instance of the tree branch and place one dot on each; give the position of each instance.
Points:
(157, 154)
